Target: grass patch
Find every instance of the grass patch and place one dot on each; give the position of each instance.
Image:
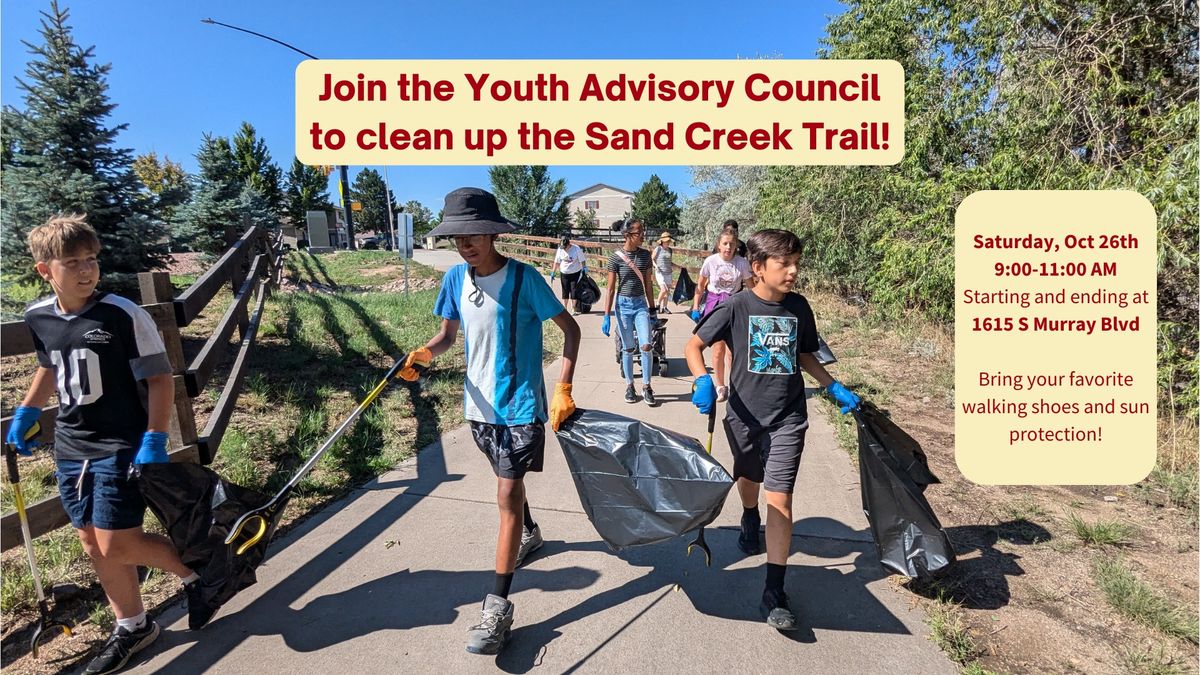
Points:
(1136, 600)
(950, 632)
(1150, 661)
(351, 268)
(1101, 532)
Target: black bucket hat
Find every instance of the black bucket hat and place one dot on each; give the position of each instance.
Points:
(471, 211)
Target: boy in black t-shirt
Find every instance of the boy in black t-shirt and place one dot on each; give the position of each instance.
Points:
(104, 356)
(772, 336)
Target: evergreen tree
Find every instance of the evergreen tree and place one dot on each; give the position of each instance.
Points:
(306, 191)
(255, 168)
(59, 155)
(656, 206)
(530, 198)
(217, 198)
(369, 190)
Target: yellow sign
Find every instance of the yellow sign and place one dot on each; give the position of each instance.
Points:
(356, 206)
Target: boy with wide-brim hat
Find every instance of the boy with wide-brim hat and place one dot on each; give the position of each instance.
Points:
(500, 304)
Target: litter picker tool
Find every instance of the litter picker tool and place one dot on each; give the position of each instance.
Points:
(699, 541)
(45, 623)
(256, 523)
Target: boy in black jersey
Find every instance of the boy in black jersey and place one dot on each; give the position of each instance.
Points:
(772, 335)
(104, 356)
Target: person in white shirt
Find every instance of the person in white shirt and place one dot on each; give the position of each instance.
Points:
(571, 262)
(663, 270)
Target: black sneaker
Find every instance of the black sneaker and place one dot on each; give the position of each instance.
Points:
(121, 645)
(491, 633)
(775, 610)
(631, 394)
(648, 395)
(199, 611)
(748, 540)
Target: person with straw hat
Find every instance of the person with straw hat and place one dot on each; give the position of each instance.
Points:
(663, 270)
(500, 304)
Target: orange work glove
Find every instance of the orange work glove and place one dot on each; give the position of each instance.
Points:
(562, 406)
(417, 358)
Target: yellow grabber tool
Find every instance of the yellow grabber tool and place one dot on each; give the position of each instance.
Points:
(45, 623)
(255, 524)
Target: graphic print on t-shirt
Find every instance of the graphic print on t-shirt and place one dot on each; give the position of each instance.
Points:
(772, 341)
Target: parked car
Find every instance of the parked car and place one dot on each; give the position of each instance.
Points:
(375, 243)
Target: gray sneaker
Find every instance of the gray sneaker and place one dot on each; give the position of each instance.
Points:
(491, 633)
(531, 540)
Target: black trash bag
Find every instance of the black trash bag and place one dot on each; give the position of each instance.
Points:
(586, 292)
(197, 507)
(640, 484)
(893, 473)
(824, 353)
(685, 288)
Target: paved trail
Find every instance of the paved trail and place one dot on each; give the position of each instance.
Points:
(389, 579)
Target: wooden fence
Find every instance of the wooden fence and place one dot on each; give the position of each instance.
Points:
(540, 251)
(252, 266)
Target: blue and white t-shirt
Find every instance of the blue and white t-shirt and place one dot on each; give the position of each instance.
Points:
(501, 315)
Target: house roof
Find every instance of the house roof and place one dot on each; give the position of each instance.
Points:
(591, 188)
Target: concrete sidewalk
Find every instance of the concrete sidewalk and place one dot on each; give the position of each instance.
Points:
(390, 578)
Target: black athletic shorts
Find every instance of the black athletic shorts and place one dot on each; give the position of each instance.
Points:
(513, 451)
(767, 455)
(569, 282)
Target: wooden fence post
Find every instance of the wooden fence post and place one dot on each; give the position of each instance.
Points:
(156, 287)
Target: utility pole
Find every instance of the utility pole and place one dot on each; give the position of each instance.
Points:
(393, 232)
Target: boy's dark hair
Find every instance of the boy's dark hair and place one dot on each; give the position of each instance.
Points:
(730, 224)
(772, 243)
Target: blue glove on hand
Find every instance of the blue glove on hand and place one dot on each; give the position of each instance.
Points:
(704, 394)
(606, 325)
(154, 449)
(24, 418)
(695, 314)
(845, 398)
(552, 275)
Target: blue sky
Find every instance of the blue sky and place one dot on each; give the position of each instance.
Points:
(175, 78)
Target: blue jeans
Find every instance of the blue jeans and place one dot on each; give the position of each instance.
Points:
(634, 313)
(105, 497)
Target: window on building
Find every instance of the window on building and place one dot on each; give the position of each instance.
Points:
(593, 205)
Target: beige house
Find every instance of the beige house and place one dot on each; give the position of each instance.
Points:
(610, 204)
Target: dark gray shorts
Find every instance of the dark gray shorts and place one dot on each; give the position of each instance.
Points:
(767, 455)
(513, 451)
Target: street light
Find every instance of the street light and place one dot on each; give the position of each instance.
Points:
(343, 172)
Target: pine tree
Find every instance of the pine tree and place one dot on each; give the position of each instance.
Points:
(306, 191)
(656, 206)
(255, 168)
(529, 197)
(59, 155)
(370, 191)
(217, 198)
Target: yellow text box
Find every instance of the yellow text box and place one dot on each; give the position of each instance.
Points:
(701, 112)
(1055, 313)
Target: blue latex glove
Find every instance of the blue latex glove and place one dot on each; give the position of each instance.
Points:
(24, 418)
(695, 314)
(154, 449)
(552, 275)
(606, 325)
(845, 398)
(704, 394)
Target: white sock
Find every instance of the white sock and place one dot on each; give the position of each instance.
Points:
(133, 623)
(190, 578)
